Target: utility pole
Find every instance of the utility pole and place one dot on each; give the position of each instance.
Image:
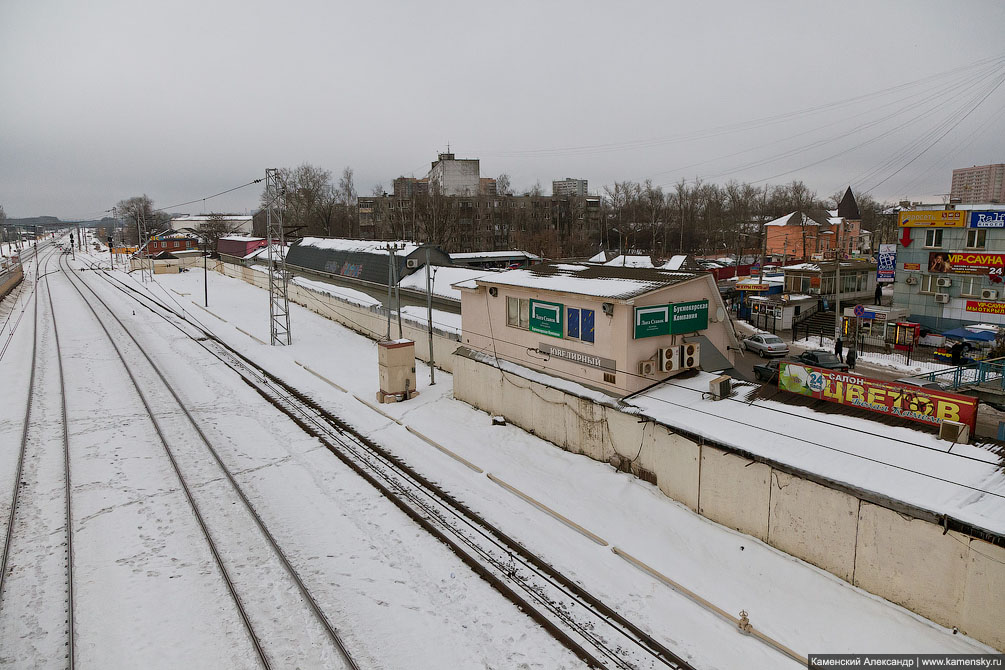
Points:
(279, 302)
(837, 282)
(389, 279)
(205, 273)
(429, 318)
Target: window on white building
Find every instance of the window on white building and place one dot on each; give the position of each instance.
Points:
(970, 286)
(518, 312)
(976, 238)
(928, 283)
(933, 238)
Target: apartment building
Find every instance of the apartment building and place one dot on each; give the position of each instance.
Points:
(978, 184)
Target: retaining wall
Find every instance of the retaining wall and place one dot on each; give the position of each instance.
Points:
(949, 577)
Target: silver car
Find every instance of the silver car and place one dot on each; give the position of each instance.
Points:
(766, 345)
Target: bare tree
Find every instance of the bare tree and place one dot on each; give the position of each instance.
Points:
(217, 226)
(503, 185)
(138, 214)
(348, 214)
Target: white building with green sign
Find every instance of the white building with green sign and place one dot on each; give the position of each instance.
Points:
(600, 326)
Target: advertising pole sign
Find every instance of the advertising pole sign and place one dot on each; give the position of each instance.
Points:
(886, 268)
(673, 319)
(890, 398)
(546, 318)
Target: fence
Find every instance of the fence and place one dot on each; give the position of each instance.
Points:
(989, 374)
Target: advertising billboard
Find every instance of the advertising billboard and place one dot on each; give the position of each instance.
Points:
(984, 307)
(987, 219)
(940, 218)
(886, 267)
(673, 319)
(546, 318)
(966, 263)
(926, 406)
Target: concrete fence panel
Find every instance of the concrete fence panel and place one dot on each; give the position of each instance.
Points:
(734, 491)
(816, 523)
(910, 562)
(983, 614)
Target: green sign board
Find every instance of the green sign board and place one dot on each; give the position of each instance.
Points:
(652, 321)
(674, 319)
(546, 318)
(688, 317)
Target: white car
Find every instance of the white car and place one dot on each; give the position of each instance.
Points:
(766, 345)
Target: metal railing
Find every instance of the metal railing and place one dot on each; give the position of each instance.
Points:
(988, 374)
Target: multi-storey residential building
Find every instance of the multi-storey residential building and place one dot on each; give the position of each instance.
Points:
(950, 265)
(978, 184)
(569, 187)
(455, 177)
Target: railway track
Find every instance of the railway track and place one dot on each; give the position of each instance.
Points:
(593, 631)
(38, 546)
(212, 503)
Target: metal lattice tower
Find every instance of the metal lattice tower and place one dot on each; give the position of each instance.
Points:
(279, 303)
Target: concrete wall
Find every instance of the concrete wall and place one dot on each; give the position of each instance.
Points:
(368, 321)
(950, 578)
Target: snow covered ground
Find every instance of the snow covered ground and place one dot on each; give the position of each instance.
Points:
(402, 601)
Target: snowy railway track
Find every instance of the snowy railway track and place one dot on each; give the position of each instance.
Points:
(212, 504)
(31, 563)
(595, 632)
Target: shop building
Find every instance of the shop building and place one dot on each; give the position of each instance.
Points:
(950, 264)
(615, 329)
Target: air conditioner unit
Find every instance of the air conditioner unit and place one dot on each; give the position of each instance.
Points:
(943, 282)
(954, 431)
(989, 294)
(669, 359)
(942, 298)
(690, 355)
(720, 387)
(647, 368)
(412, 263)
(912, 279)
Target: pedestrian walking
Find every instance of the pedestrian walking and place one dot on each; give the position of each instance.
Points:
(879, 295)
(839, 348)
(852, 356)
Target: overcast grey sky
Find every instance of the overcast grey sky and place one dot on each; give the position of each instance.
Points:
(106, 99)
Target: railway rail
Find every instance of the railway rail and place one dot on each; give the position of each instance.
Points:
(37, 532)
(589, 628)
(251, 620)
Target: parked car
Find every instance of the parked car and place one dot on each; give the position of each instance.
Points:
(767, 372)
(922, 383)
(766, 345)
(822, 359)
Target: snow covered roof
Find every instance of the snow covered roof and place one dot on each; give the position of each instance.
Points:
(599, 258)
(602, 281)
(242, 238)
(263, 253)
(517, 253)
(628, 261)
(896, 461)
(202, 218)
(442, 279)
(356, 246)
(675, 263)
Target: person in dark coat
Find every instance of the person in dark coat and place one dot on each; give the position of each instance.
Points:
(879, 295)
(851, 358)
(956, 353)
(839, 348)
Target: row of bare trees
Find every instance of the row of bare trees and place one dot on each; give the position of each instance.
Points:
(706, 218)
(312, 203)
